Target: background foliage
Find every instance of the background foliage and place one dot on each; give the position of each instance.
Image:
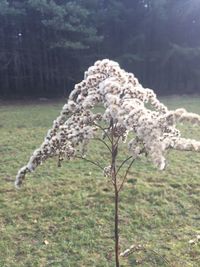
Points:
(45, 45)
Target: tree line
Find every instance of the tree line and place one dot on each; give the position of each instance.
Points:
(45, 45)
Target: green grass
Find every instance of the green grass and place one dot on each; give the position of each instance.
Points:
(64, 216)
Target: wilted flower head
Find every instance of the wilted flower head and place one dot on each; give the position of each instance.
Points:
(127, 104)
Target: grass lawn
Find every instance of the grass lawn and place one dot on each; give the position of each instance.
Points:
(64, 216)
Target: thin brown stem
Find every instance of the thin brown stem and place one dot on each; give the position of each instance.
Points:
(156, 253)
(102, 141)
(91, 161)
(114, 179)
(116, 226)
(125, 176)
(127, 171)
(117, 141)
(122, 164)
(100, 127)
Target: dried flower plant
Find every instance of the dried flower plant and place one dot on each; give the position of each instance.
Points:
(129, 108)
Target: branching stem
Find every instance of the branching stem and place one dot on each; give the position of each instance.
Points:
(91, 161)
(103, 129)
(164, 259)
(102, 141)
(125, 176)
(114, 146)
(122, 164)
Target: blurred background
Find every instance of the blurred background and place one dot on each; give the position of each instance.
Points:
(46, 45)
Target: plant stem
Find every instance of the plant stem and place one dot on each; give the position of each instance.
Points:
(125, 176)
(127, 159)
(102, 141)
(114, 151)
(116, 226)
(91, 161)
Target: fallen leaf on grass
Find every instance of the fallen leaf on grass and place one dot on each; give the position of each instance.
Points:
(46, 242)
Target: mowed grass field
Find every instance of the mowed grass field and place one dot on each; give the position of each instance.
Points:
(64, 216)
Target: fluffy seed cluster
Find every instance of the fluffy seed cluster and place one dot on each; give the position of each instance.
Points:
(127, 104)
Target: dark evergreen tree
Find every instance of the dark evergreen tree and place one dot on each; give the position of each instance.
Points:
(45, 45)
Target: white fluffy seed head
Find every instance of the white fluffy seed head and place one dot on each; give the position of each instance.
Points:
(130, 106)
